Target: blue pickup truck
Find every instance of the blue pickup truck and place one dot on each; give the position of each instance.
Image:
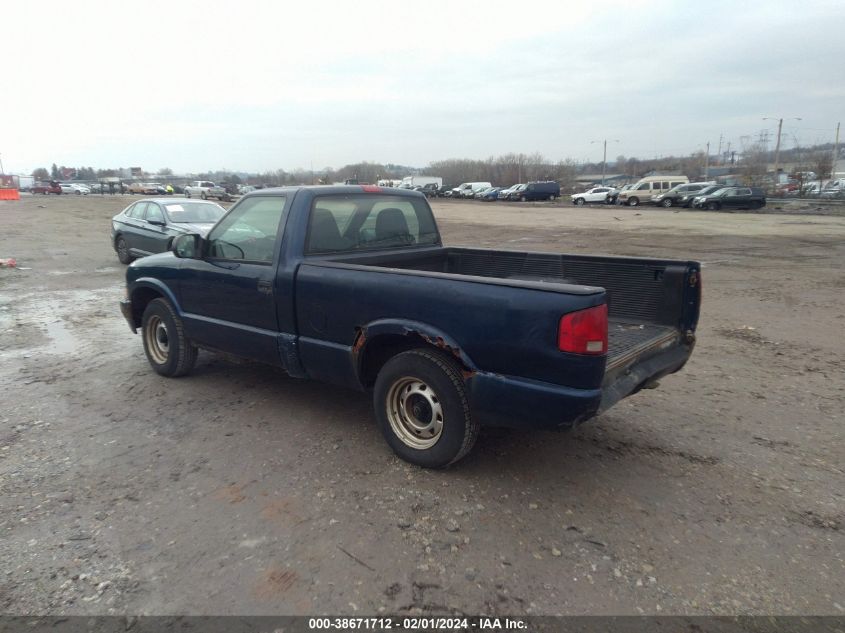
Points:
(352, 285)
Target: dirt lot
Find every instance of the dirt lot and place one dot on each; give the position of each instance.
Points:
(240, 490)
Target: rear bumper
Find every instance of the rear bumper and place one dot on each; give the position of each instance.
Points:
(529, 404)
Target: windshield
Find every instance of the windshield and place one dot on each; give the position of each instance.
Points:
(194, 212)
(369, 222)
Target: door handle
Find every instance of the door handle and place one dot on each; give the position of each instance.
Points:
(265, 287)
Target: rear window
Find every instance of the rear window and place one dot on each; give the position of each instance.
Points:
(369, 222)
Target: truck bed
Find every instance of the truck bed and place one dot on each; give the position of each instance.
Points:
(644, 296)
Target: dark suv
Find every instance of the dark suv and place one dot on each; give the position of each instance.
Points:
(537, 191)
(732, 198)
(675, 195)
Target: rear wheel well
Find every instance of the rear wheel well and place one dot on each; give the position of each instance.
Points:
(141, 298)
(384, 347)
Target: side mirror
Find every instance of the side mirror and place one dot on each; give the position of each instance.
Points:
(188, 246)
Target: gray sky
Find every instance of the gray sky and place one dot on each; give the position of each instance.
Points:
(264, 85)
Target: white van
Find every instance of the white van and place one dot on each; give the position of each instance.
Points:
(648, 187)
(469, 189)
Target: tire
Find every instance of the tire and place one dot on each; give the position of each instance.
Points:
(713, 206)
(168, 351)
(431, 384)
(122, 249)
(633, 202)
(187, 194)
(756, 205)
(203, 196)
(522, 198)
(579, 202)
(667, 203)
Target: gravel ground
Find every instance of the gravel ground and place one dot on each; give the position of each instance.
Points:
(240, 490)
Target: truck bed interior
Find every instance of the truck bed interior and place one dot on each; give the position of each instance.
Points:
(644, 295)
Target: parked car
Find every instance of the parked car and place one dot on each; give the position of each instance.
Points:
(613, 196)
(688, 198)
(429, 190)
(468, 189)
(70, 187)
(147, 226)
(539, 349)
(491, 194)
(673, 197)
(147, 188)
(732, 198)
(46, 188)
(599, 195)
(204, 189)
(534, 191)
(512, 192)
(444, 191)
(645, 188)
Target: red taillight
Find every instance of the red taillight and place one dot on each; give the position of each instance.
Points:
(584, 331)
(371, 188)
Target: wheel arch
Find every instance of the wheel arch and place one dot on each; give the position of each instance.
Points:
(379, 341)
(145, 290)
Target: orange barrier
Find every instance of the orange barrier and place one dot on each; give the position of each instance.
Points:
(9, 194)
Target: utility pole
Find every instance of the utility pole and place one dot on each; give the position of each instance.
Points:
(777, 145)
(719, 154)
(3, 172)
(707, 160)
(604, 157)
(835, 155)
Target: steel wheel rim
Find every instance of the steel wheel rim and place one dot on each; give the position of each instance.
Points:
(415, 413)
(122, 250)
(158, 340)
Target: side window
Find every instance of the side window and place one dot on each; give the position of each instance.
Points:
(250, 231)
(664, 185)
(675, 184)
(138, 210)
(154, 213)
(644, 187)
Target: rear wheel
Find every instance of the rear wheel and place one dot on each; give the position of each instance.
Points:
(169, 352)
(203, 196)
(422, 408)
(122, 249)
(187, 193)
(667, 202)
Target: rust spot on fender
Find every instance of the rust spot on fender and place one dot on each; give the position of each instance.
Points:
(440, 343)
(360, 341)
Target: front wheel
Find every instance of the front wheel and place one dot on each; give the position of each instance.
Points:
(203, 196)
(522, 198)
(633, 202)
(187, 194)
(713, 206)
(422, 409)
(579, 202)
(667, 202)
(169, 352)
